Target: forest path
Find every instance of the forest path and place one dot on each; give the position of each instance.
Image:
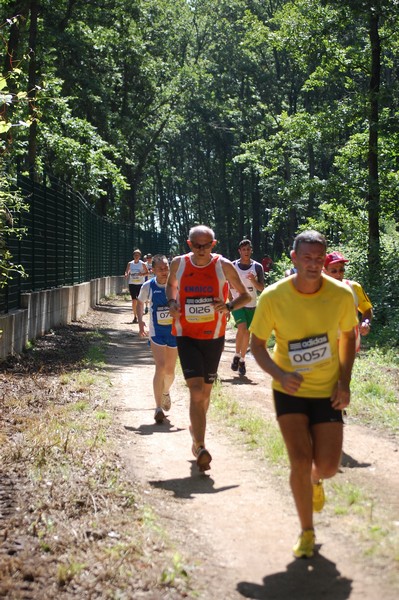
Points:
(236, 526)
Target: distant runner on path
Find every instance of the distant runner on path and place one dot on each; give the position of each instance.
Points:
(334, 266)
(311, 372)
(253, 277)
(162, 342)
(135, 273)
(197, 292)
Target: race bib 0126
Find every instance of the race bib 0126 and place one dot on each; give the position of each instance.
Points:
(199, 310)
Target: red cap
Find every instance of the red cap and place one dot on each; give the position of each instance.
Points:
(334, 257)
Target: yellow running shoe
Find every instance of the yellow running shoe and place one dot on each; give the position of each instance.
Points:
(304, 547)
(318, 496)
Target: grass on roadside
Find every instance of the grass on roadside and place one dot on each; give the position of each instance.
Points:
(79, 522)
(95, 355)
(254, 430)
(375, 389)
(362, 514)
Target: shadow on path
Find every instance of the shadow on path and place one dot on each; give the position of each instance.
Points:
(304, 579)
(151, 428)
(238, 380)
(352, 463)
(125, 348)
(188, 487)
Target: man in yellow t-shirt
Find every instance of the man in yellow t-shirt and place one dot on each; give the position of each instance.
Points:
(311, 372)
(334, 266)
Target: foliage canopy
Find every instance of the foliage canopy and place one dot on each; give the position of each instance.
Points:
(257, 118)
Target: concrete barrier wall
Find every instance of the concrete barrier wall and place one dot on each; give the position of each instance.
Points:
(41, 311)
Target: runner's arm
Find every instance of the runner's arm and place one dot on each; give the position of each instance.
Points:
(364, 307)
(346, 352)
(290, 381)
(142, 298)
(140, 311)
(364, 326)
(367, 314)
(171, 289)
(259, 280)
(235, 281)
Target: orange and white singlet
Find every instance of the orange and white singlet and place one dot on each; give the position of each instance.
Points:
(198, 287)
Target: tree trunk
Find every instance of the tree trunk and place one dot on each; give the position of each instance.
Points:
(241, 205)
(256, 216)
(20, 9)
(12, 56)
(34, 10)
(373, 195)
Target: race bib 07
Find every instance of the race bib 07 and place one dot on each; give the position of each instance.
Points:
(163, 316)
(199, 310)
(309, 351)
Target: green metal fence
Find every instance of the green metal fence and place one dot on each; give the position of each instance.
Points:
(68, 243)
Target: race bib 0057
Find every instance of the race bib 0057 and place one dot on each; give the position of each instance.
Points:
(309, 351)
(199, 310)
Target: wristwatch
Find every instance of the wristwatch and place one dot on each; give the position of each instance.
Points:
(229, 306)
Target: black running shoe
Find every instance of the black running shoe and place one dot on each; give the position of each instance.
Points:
(159, 415)
(234, 364)
(242, 368)
(203, 459)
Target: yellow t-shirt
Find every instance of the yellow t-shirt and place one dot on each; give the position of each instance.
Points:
(362, 301)
(305, 328)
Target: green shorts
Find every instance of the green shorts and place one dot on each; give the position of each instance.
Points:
(243, 315)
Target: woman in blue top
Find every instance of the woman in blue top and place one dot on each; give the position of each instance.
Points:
(162, 342)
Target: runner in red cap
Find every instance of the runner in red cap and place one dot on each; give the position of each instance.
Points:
(334, 266)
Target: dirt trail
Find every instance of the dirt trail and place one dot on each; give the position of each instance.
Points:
(237, 525)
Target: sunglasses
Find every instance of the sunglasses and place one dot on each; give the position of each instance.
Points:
(202, 246)
(341, 270)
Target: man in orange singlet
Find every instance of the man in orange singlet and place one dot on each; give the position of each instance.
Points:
(197, 292)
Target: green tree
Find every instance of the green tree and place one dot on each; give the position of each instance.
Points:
(11, 203)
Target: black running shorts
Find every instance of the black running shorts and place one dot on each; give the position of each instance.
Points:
(200, 358)
(318, 410)
(134, 289)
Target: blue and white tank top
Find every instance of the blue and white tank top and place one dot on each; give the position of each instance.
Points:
(160, 322)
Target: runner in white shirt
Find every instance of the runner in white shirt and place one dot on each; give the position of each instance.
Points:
(135, 273)
(253, 277)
